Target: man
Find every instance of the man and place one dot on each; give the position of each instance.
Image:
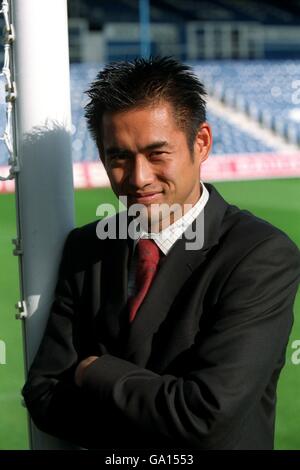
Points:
(161, 343)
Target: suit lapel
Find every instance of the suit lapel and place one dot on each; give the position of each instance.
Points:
(174, 272)
(169, 280)
(114, 290)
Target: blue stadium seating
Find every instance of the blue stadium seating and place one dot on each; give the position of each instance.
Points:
(228, 138)
(268, 91)
(262, 89)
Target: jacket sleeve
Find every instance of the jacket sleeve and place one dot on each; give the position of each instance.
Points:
(231, 365)
(56, 405)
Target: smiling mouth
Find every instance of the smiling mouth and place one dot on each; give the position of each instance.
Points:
(146, 197)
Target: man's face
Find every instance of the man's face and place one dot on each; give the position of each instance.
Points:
(147, 158)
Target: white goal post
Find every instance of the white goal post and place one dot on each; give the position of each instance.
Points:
(44, 183)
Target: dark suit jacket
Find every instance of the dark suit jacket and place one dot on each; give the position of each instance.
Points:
(197, 368)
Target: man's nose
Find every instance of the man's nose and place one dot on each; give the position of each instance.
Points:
(141, 172)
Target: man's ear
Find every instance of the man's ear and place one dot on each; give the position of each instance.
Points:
(203, 142)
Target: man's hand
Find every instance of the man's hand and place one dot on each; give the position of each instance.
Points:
(81, 368)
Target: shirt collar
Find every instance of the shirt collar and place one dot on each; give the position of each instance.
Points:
(166, 238)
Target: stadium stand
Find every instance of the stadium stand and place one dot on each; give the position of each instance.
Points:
(259, 89)
(228, 138)
(191, 10)
(246, 53)
(267, 91)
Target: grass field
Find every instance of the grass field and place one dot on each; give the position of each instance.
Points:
(275, 200)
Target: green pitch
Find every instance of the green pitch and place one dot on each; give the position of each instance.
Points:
(275, 200)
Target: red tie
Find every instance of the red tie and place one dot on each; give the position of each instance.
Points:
(148, 258)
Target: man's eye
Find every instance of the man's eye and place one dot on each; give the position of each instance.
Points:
(157, 153)
(116, 160)
(118, 156)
